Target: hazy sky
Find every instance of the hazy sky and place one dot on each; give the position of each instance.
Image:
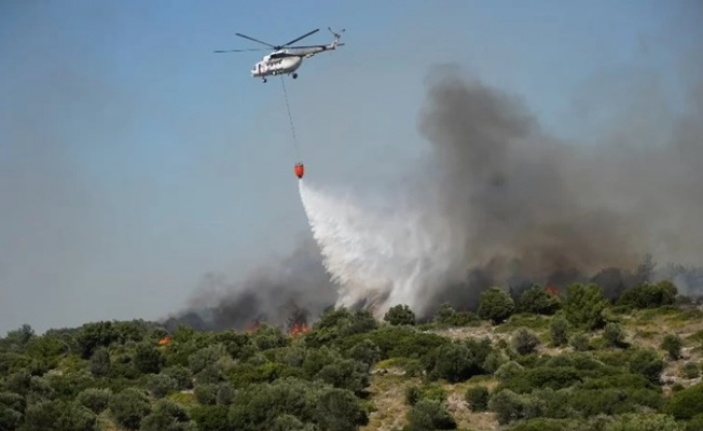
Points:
(133, 160)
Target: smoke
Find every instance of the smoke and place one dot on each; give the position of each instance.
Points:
(294, 286)
(497, 201)
(503, 203)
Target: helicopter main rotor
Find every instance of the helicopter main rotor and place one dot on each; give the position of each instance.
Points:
(274, 47)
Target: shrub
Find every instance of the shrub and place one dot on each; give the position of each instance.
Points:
(559, 331)
(537, 300)
(400, 315)
(647, 363)
(690, 370)
(495, 305)
(685, 404)
(429, 414)
(613, 335)
(95, 399)
(584, 306)
(524, 342)
(580, 342)
(477, 398)
(160, 385)
(672, 344)
(649, 295)
(129, 407)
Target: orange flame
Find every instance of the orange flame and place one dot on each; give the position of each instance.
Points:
(165, 340)
(253, 326)
(299, 329)
(552, 290)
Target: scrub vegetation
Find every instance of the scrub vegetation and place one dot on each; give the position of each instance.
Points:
(541, 360)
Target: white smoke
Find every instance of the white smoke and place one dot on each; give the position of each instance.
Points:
(383, 254)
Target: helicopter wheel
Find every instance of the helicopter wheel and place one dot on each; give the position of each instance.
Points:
(265, 81)
(295, 76)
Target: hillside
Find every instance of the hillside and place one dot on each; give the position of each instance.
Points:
(545, 360)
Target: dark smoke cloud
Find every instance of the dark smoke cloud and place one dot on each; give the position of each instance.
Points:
(528, 207)
(297, 287)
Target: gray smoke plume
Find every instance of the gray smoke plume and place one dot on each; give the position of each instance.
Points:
(523, 207)
(296, 287)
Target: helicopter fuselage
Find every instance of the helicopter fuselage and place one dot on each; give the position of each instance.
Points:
(287, 61)
(276, 66)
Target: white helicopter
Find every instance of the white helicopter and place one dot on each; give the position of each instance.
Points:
(286, 59)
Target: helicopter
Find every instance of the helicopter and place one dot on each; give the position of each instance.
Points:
(285, 59)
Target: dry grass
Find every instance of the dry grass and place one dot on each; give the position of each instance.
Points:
(388, 395)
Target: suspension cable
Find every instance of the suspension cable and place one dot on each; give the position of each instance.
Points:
(290, 118)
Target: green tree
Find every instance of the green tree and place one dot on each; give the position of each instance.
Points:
(129, 407)
(584, 306)
(537, 300)
(100, 362)
(95, 399)
(167, 416)
(148, 359)
(495, 305)
(59, 415)
(400, 314)
(429, 414)
(687, 403)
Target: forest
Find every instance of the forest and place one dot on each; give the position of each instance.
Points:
(544, 360)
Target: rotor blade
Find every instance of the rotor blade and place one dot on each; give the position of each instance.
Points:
(301, 37)
(255, 40)
(220, 51)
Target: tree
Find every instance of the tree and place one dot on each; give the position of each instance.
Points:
(100, 362)
(129, 407)
(400, 315)
(495, 305)
(429, 414)
(584, 306)
(539, 301)
(148, 359)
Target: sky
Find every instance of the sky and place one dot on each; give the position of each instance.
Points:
(134, 161)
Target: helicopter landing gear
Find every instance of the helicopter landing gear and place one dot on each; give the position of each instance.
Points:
(295, 76)
(265, 81)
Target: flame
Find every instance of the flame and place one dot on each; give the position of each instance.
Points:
(552, 290)
(299, 328)
(253, 326)
(165, 340)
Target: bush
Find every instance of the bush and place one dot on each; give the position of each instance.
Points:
(95, 399)
(160, 385)
(584, 306)
(429, 414)
(672, 344)
(614, 335)
(524, 342)
(495, 305)
(129, 407)
(690, 370)
(559, 329)
(477, 398)
(580, 342)
(685, 404)
(181, 375)
(649, 295)
(400, 315)
(537, 300)
(647, 363)
(446, 315)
